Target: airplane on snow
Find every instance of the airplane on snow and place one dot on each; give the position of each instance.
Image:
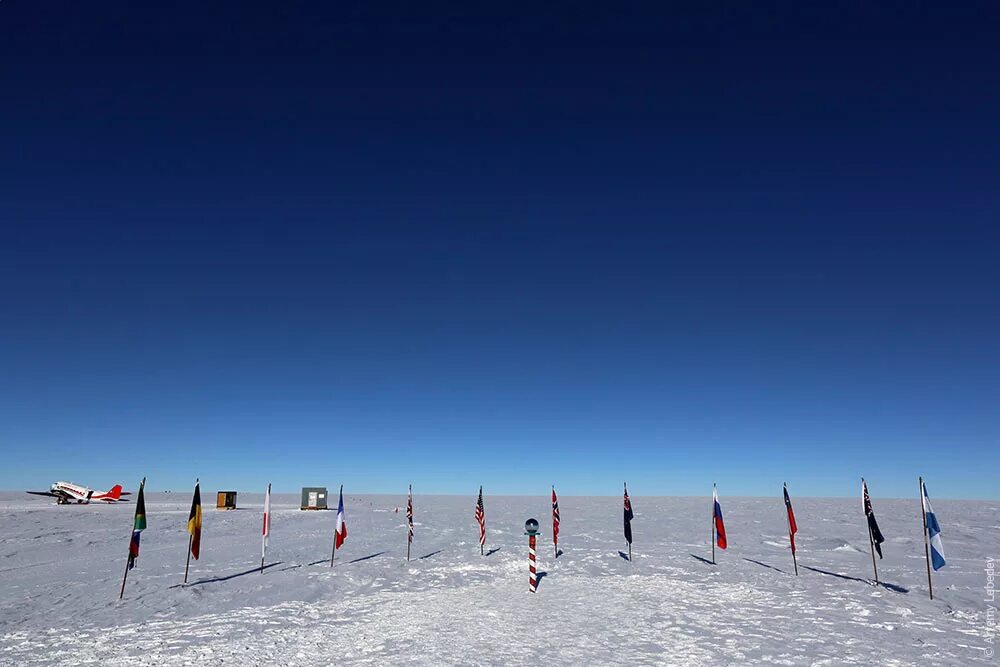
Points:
(67, 493)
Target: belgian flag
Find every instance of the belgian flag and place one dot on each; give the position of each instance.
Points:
(194, 521)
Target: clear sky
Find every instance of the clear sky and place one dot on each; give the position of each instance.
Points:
(375, 243)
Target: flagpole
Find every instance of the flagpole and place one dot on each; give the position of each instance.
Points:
(125, 577)
(713, 525)
(122, 594)
(409, 520)
(188, 563)
(927, 554)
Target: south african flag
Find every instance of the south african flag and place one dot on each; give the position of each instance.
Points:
(138, 525)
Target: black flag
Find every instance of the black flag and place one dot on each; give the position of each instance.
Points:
(876, 534)
(628, 517)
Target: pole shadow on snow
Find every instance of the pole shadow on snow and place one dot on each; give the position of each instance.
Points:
(433, 553)
(703, 560)
(891, 587)
(624, 556)
(492, 551)
(757, 562)
(213, 580)
(358, 560)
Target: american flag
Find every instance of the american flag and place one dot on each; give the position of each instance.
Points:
(555, 518)
(409, 514)
(481, 518)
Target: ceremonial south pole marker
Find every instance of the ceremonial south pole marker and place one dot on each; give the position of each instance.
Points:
(531, 530)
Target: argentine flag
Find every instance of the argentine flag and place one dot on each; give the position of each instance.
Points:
(933, 531)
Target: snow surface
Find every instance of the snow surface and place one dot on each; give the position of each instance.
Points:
(61, 567)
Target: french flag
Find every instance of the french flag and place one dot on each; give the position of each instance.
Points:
(341, 531)
(720, 526)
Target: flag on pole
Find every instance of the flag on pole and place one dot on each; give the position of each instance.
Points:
(792, 528)
(341, 527)
(720, 526)
(933, 531)
(628, 517)
(481, 518)
(555, 519)
(876, 534)
(138, 525)
(266, 530)
(194, 522)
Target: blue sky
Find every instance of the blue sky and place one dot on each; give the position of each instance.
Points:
(344, 244)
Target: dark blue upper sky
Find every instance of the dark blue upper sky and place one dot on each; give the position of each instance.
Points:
(513, 245)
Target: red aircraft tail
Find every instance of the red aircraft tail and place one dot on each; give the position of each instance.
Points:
(114, 494)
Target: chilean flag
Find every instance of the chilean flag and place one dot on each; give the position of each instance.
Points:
(341, 531)
(720, 526)
(792, 528)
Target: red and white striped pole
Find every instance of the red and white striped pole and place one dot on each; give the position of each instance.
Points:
(532, 573)
(531, 529)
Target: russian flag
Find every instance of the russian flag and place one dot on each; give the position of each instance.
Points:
(933, 531)
(720, 526)
(341, 523)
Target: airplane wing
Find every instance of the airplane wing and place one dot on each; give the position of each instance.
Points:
(45, 493)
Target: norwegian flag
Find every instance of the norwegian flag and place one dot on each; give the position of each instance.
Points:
(555, 520)
(481, 519)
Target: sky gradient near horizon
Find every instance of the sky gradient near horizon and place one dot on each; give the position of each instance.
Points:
(581, 244)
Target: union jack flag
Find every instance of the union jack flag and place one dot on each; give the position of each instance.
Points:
(481, 518)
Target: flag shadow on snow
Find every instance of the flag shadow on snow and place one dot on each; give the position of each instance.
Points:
(624, 556)
(213, 580)
(891, 587)
(374, 555)
(538, 579)
(757, 562)
(492, 551)
(703, 560)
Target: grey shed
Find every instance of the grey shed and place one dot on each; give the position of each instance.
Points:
(313, 498)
